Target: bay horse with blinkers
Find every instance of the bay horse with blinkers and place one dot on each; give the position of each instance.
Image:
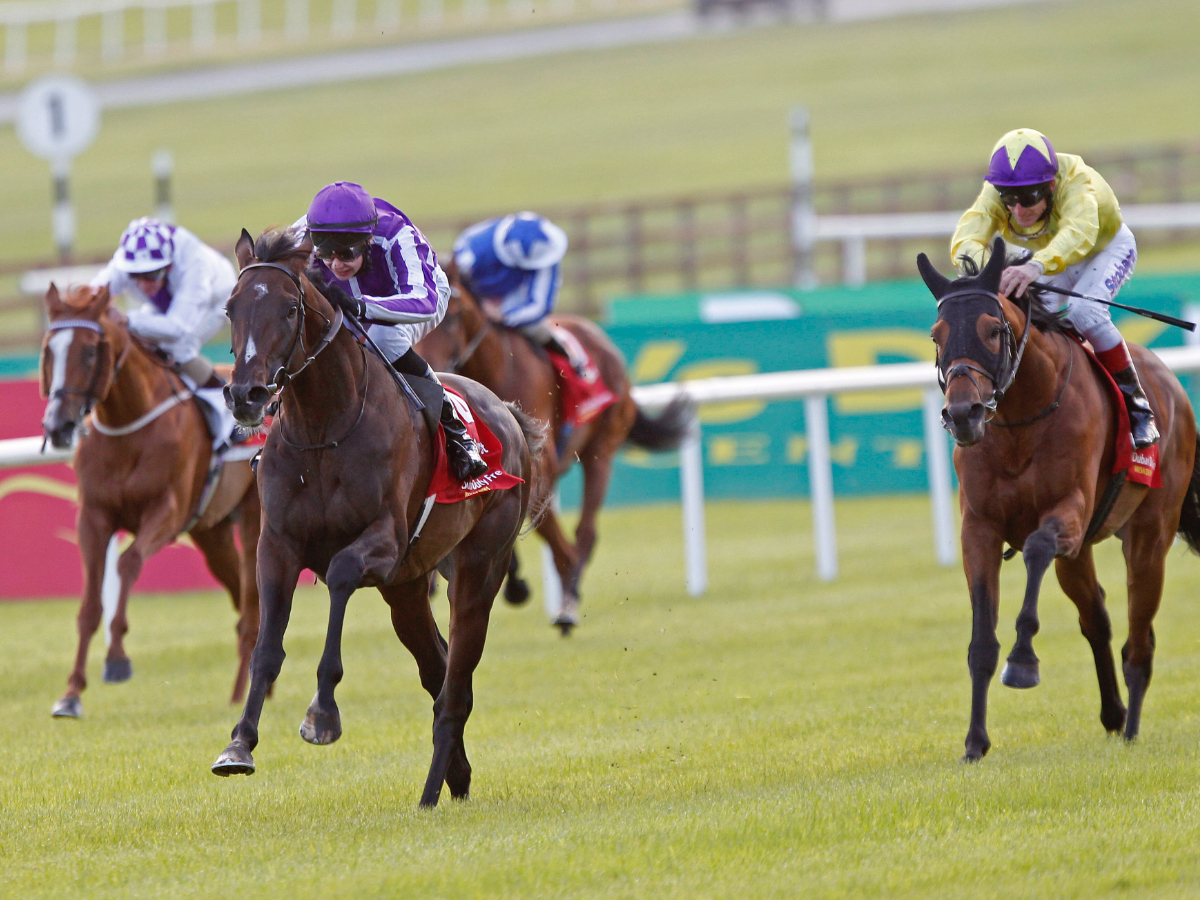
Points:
(469, 343)
(344, 478)
(1035, 430)
(142, 465)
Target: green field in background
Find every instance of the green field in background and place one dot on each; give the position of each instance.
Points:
(919, 92)
(779, 737)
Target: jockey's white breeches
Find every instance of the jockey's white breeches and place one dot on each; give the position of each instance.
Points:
(1099, 276)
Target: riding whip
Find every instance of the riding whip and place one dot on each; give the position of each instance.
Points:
(1149, 314)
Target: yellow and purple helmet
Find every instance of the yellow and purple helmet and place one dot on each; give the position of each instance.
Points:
(1022, 157)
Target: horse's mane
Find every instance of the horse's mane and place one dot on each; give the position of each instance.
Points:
(281, 245)
(1043, 319)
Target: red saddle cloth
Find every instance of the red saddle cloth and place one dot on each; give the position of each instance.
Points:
(1139, 466)
(443, 487)
(581, 399)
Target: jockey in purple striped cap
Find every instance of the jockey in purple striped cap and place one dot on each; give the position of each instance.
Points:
(376, 264)
(182, 286)
(1066, 217)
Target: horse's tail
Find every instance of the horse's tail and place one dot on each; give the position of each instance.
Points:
(665, 431)
(1189, 516)
(536, 435)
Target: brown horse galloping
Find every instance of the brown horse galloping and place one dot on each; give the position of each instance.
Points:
(1036, 475)
(344, 478)
(468, 343)
(145, 476)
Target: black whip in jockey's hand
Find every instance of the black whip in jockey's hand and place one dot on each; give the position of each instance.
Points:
(1149, 314)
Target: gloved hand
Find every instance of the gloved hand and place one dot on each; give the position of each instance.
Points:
(351, 306)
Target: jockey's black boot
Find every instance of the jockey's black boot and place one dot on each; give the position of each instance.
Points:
(463, 453)
(1141, 416)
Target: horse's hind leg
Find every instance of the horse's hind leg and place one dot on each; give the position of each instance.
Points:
(94, 533)
(1145, 557)
(1021, 669)
(221, 554)
(597, 462)
(479, 567)
(563, 552)
(516, 588)
(1078, 579)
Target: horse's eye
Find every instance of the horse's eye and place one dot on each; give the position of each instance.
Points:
(291, 312)
(88, 354)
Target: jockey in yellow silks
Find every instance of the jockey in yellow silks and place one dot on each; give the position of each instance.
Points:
(1064, 213)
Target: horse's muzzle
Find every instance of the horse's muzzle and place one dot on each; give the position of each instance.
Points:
(248, 403)
(58, 429)
(965, 420)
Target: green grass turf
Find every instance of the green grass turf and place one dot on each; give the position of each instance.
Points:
(779, 737)
(919, 92)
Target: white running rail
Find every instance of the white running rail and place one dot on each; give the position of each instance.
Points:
(814, 386)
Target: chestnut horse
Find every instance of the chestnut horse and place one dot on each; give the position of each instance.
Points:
(469, 343)
(1035, 430)
(142, 466)
(344, 478)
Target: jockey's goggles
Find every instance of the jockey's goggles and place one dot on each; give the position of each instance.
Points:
(1028, 196)
(337, 247)
(156, 275)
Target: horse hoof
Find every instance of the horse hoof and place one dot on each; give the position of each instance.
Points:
(1113, 720)
(117, 670)
(564, 628)
(67, 708)
(235, 760)
(516, 591)
(1020, 675)
(319, 727)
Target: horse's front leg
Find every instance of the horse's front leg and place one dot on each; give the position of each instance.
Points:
(982, 548)
(95, 530)
(1054, 537)
(374, 554)
(278, 569)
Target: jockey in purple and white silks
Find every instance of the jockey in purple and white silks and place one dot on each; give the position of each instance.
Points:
(512, 264)
(182, 286)
(377, 265)
(1065, 214)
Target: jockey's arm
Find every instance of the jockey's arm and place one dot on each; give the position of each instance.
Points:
(976, 228)
(532, 300)
(416, 281)
(1078, 226)
(145, 321)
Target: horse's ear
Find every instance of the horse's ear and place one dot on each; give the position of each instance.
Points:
(99, 301)
(937, 283)
(244, 249)
(989, 278)
(53, 301)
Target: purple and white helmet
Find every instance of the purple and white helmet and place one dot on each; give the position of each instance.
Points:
(1021, 158)
(343, 207)
(147, 245)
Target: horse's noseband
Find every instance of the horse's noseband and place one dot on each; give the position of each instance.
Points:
(965, 344)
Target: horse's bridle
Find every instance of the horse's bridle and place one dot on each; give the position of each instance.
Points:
(89, 393)
(1011, 351)
(282, 376)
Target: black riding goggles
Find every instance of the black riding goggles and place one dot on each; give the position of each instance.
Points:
(345, 254)
(1027, 196)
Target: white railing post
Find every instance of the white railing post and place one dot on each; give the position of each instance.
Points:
(430, 13)
(552, 595)
(249, 21)
(66, 32)
(820, 482)
(475, 11)
(854, 261)
(342, 19)
(937, 464)
(691, 498)
(295, 20)
(804, 212)
(204, 25)
(387, 14)
(112, 34)
(16, 43)
(154, 29)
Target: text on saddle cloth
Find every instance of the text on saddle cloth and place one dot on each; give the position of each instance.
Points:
(443, 487)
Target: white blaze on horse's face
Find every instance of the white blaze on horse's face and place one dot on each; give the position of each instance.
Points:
(251, 350)
(260, 291)
(60, 347)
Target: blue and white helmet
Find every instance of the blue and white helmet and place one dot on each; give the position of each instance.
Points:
(528, 241)
(147, 245)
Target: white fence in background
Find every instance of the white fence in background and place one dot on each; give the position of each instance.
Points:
(814, 386)
(116, 30)
(853, 232)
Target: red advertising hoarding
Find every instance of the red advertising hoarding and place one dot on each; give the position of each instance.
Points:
(39, 547)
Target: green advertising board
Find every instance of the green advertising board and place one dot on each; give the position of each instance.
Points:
(754, 449)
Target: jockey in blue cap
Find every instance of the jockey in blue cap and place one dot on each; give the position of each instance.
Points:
(513, 262)
(1067, 218)
(376, 264)
(182, 285)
